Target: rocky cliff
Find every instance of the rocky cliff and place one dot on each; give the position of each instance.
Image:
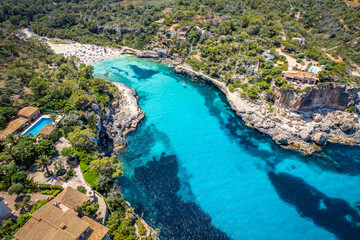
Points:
(338, 97)
(123, 116)
(140, 54)
(305, 130)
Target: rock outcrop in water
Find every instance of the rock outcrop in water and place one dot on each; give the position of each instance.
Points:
(123, 116)
(331, 96)
(316, 122)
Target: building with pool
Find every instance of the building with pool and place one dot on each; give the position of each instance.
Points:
(29, 121)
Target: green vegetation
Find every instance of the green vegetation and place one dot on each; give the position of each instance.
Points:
(141, 227)
(9, 227)
(233, 46)
(81, 189)
(50, 192)
(87, 209)
(91, 177)
(16, 188)
(119, 222)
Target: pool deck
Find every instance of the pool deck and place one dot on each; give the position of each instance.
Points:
(39, 118)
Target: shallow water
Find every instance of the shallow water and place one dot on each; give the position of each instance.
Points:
(197, 172)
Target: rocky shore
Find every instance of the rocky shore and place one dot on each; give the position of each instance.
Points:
(123, 116)
(292, 122)
(306, 129)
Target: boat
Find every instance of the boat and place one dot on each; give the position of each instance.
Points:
(183, 84)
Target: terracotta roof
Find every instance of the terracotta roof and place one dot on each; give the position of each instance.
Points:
(47, 129)
(36, 230)
(71, 198)
(27, 111)
(98, 231)
(12, 127)
(51, 223)
(352, 3)
(67, 221)
(300, 75)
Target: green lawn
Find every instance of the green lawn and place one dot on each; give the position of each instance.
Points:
(90, 175)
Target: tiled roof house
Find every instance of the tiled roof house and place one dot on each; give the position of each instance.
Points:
(57, 220)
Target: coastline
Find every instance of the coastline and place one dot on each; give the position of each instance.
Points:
(123, 116)
(286, 128)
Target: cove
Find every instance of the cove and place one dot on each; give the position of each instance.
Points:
(194, 170)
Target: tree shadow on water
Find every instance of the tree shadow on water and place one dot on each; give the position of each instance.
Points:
(142, 73)
(333, 214)
(178, 219)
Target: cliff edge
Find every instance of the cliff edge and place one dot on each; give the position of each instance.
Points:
(304, 122)
(123, 116)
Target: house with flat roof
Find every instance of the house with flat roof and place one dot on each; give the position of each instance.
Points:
(29, 113)
(299, 77)
(58, 220)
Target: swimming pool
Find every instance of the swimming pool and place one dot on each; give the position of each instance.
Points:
(35, 129)
(314, 69)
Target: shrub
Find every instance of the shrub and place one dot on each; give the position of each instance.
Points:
(84, 167)
(57, 187)
(54, 136)
(16, 188)
(69, 174)
(50, 192)
(351, 109)
(67, 152)
(44, 186)
(19, 177)
(81, 189)
(38, 205)
(87, 209)
(141, 227)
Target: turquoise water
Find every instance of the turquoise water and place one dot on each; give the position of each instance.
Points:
(35, 129)
(197, 172)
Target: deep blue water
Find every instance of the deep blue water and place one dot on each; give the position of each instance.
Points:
(197, 172)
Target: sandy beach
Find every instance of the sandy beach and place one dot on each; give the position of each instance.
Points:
(85, 53)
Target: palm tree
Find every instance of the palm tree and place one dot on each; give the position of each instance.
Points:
(12, 139)
(42, 162)
(53, 118)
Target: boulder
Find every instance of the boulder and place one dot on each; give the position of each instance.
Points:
(325, 128)
(305, 135)
(320, 138)
(347, 125)
(268, 124)
(317, 117)
(281, 139)
(330, 124)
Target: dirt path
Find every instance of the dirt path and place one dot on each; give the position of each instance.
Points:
(102, 212)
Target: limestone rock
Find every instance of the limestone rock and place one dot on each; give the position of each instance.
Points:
(305, 135)
(325, 128)
(317, 117)
(320, 138)
(281, 139)
(347, 125)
